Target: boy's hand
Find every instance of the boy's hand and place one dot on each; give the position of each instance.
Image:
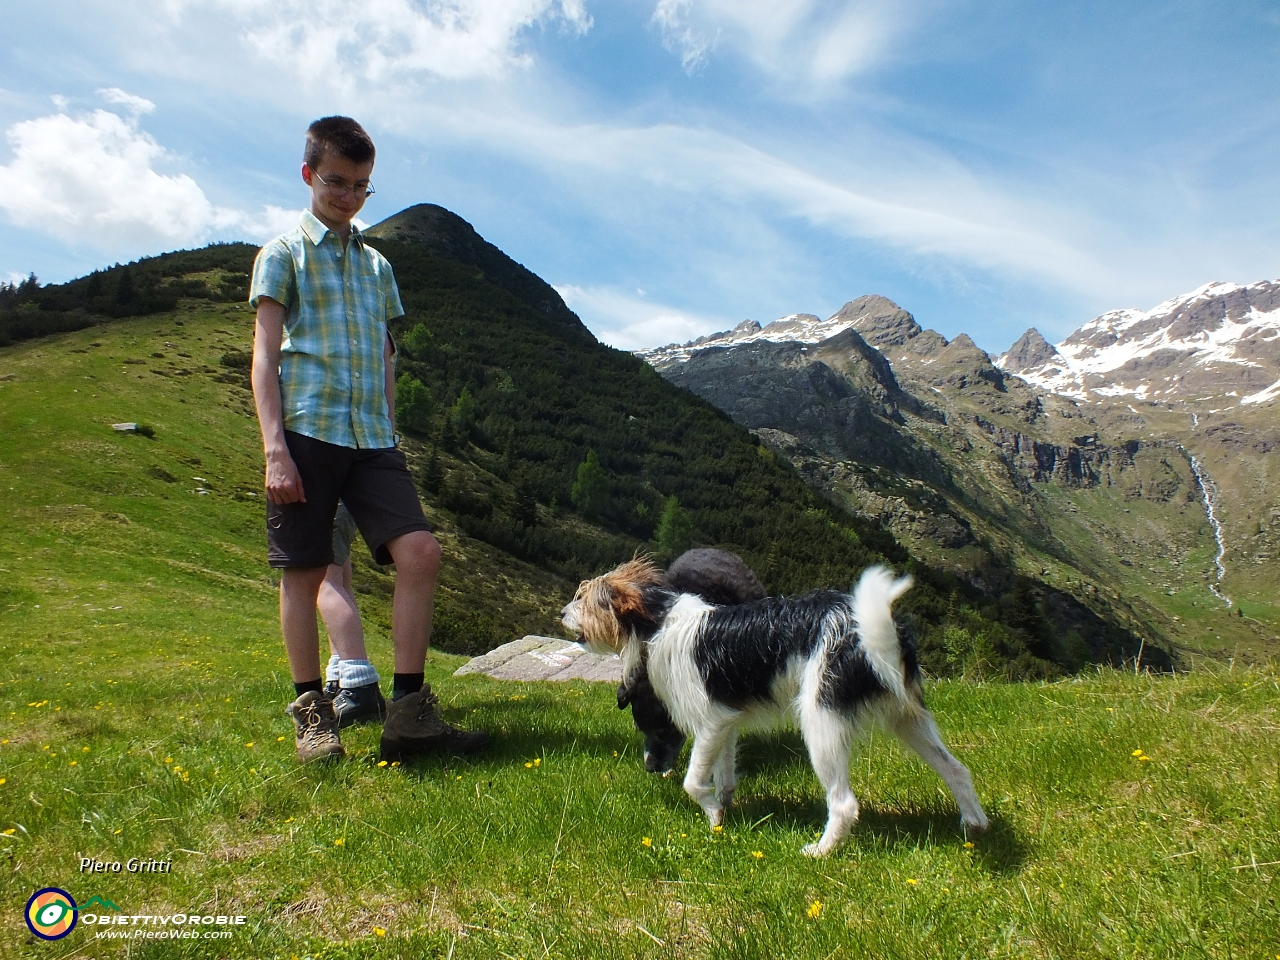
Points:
(284, 485)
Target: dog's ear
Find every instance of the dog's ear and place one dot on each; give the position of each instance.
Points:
(624, 696)
(629, 602)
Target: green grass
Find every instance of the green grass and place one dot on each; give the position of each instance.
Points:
(142, 691)
(539, 847)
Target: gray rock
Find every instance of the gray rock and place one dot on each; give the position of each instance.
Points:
(544, 658)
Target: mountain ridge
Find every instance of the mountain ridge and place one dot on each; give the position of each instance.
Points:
(1093, 489)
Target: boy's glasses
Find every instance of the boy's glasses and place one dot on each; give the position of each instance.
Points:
(339, 187)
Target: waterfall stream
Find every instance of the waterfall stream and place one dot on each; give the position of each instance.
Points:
(1210, 492)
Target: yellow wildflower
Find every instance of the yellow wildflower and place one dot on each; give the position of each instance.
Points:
(249, 744)
(968, 844)
(379, 931)
(912, 881)
(647, 841)
(382, 763)
(340, 841)
(717, 829)
(74, 763)
(758, 854)
(1136, 753)
(815, 910)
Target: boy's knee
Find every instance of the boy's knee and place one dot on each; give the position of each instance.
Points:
(301, 581)
(416, 554)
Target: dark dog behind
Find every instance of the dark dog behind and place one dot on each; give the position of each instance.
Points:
(718, 577)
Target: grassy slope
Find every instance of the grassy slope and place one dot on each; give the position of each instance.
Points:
(1112, 545)
(141, 700)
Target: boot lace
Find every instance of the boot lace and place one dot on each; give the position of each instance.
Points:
(427, 705)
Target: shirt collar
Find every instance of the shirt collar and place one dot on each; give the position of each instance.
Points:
(316, 231)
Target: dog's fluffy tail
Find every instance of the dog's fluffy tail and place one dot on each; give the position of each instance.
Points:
(873, 598)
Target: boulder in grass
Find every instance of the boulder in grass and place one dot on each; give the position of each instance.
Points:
(544, 658)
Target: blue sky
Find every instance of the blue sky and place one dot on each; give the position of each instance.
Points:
(676, 166)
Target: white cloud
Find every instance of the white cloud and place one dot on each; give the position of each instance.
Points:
(386, 40)
(807, 41)
(135, 105)
(91, 179)
(632, 323)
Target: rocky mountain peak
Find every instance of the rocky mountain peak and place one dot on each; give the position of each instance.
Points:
(879, 320)
(1030, 351)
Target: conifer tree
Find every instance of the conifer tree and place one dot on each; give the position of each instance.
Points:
(675, 531)
(590, 491)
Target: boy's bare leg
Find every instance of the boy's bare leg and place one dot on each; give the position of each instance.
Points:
(299, 588)
(413, 726)
(314, 720)
(417, 559)
(340, 613)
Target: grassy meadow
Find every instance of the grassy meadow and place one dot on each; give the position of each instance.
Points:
(143, 684)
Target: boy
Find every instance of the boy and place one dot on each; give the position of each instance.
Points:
(324, 387)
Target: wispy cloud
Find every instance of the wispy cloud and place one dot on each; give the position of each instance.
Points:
(629, 321)
(916, 200)
(807, 42)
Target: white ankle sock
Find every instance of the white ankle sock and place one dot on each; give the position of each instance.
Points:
(356, 673)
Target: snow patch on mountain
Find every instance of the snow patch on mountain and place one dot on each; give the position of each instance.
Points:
(1165, 351)
(793, 328)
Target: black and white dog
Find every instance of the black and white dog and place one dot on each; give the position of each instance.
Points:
(834, 660)
(718, 577)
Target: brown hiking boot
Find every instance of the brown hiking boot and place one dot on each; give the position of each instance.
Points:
(413, 727)
(315, 727)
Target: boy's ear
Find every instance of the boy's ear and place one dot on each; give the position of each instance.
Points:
(306, 174)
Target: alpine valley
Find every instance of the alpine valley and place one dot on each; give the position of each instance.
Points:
(1046, 530)
(1135, 465)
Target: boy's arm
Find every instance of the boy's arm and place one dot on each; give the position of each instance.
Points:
(389, 385)
(283, 483)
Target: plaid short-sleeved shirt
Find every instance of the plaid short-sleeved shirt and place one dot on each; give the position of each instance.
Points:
(332, 374)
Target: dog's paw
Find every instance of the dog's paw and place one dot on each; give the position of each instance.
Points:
(715, 816)
(813, 850)
(975, 825)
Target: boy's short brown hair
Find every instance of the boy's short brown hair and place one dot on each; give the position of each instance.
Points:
(337, 135)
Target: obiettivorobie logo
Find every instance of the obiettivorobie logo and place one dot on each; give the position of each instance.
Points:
(51, 913)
